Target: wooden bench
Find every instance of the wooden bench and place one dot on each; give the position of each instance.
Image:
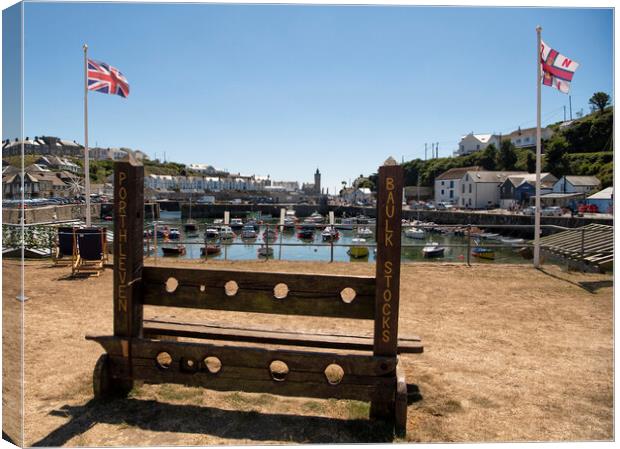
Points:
(279, 361)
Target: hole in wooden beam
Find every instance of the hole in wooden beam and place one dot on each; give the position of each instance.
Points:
(348, 295)
(203, 288)
(164, 360)
(334, 374)
(213, 364)
(188, 365)
(231, 288)
(280, 291)
(171, 285)
(278, 370)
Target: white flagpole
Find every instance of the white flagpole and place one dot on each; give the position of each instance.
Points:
(86, 155)
(538, 152)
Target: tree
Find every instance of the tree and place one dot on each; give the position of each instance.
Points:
(530, 162)
(488, 159)
(599, 100)
(507, 155)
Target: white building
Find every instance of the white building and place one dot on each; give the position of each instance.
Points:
(476, 142)
(481, 189)
(448, 184)
(526, 138)
(107, 154)
(354, 195)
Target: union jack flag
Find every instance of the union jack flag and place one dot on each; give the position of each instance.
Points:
(106, 79)
(557, 69)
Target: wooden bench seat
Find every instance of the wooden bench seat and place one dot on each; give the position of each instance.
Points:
(160, 327)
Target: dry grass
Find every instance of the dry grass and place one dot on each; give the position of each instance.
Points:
(511, 354)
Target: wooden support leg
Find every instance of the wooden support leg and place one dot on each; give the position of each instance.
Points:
(104, 385)
(400, 403)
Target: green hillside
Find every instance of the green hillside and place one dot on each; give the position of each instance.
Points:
(583, 148)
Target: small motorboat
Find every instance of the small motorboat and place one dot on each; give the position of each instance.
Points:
(265, 251)
(345, 224)
(226, 233)
(306, 232)
(489, 236)
(414, 233)
(218, 221)
(315, 217)
(210, 249)
(330, 234)
(163, 232)
(289, 223)
(432, 249)
(248, 232)
(254, 224)
(358, 248)
(173, 250)
(212, 233)
(174, 234)
(362, 219)
(483, 253)
(190, 227)
(236, 223)
(512, 241)
(364, 232)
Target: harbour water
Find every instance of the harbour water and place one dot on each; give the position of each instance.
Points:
(288, 246)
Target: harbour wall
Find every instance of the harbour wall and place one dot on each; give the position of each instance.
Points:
(68, 212)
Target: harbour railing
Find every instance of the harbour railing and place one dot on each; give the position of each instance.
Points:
(44, 236)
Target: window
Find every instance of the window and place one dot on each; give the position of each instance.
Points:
(441, 192)
(470, 188)
(441, 182)
(451, 193)
(462, 188)
(451, 184)
(477, 147)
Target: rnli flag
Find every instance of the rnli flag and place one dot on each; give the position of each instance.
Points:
(106, 79)
(557, 70)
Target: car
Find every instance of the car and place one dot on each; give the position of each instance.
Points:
(553, 211)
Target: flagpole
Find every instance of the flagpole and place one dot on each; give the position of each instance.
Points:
(538, 153)
(86, 152)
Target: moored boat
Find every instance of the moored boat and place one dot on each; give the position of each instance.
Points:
(364, 232)
(483, 253)
(226, 233)
(210, 248)
(173, 250)
(345, 224)
(236, 223)
(358, 248)
(265, 251)
(512, 241)
(212, 233)
(414, 233)
(306, 232)
(432, 249)
(248, 232)
(330, 234)
(174, 234)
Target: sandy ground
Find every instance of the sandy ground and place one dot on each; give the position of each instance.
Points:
(511, 354)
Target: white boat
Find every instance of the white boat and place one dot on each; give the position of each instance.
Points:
(511, 241)
(212, 233)
(218, 221)
(432, 249)
(364, 232)
(414, 233)
(489, 236)
(248, 232)
(346, 224)
(236, 223)
(358, 248)
(329, 234)
(315, 218)
(226, 233)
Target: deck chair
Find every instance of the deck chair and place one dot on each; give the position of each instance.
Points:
(91, 243)
(66, 246)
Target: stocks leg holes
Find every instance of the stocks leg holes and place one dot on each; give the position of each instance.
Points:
(280, 291)
(213, 364)
(278, 370)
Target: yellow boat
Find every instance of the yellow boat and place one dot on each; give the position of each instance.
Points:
(483, 253)
(358, 250)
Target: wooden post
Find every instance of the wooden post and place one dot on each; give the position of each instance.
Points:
(128, 251)
(388, 230)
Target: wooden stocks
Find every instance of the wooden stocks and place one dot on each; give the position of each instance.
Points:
(389, 212)
(128, 251)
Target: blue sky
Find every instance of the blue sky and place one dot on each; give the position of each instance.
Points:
(284, 89)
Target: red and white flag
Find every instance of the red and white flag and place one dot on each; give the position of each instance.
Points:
(557, 69)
